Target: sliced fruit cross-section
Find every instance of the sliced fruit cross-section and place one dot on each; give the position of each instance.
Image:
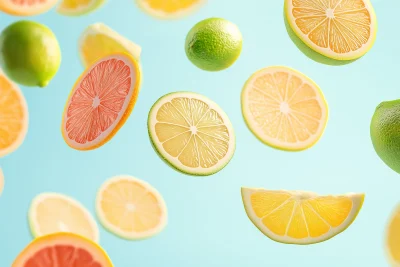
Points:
(339, 29)
(101, 101)
(1, 181)
(51, 213)
(168, 9)
(13, 116)
(62, 250)
(78, 7)
(192, 133)
(131, 208)
(99, 40)
(393, 238)
(284, 108)
(297, 217)
(26, 7)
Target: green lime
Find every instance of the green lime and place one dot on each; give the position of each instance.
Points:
(29, 53)
(385, 133)
(213, 44)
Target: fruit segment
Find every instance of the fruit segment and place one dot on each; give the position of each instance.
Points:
(78, 7)
(168, 9)
(26, 7)
(300, 217)
(393, 238)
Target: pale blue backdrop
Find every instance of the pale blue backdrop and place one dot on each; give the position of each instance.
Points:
(207, 223)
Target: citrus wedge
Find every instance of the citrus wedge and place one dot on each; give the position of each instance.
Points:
(98, 40)
(192, 133)
(13, 116)
(101, 101)
(1, 181)
(62, 250)
(298, 217)
(78, 7)
(131, 208)
(51, 213)
(284, 108)
(393, 238)
(169, 9)
(338, 29)
(26, 7)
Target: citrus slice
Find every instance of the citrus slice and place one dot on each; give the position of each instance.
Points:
(1, 181)
(284, 108)
(78, 7)
(170, 9)
(62, 250)
(342, 30)
(192, 133)
(393, 238)
(98, 40)
(131, 208)
(13, 116)
(51, 213)
(26, 7)
(101, 101)
(297, 217)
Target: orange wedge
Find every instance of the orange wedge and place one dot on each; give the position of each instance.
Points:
(169, 9)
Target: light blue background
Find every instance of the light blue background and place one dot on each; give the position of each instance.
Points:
(207, 223)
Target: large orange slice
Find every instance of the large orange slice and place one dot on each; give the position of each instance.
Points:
(169, 9)
(13, 116)
(26, 7)
(339, 29)
(101, 101)
(62, 250)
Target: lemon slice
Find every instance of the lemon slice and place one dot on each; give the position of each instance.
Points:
(393, 238)
(13, 116)
(52, 213)
(342, 30)
(78, 7)
(1, 181)
(297, 217)
(98, 40)
(284, 108)
(131, 208)
(170, 9)
(192, 133)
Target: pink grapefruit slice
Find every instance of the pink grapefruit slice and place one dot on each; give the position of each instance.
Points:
(62, 250)
(101, 101)
(26, 7)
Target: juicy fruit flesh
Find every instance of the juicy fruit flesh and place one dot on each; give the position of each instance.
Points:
(340, 26)
(129, 206)
(73, 4)
(12, 114)
(98, 100)
(285, 107)
(192, 132)
(171, 6)
(393, 241)
(62, 256)
(300, 217)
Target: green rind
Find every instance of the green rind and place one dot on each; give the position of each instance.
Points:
(164, 159)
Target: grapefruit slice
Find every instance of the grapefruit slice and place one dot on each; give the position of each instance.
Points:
(78, 7)
(342, 30)
(284, 108)
(101, 101)
(26, 7)
(192, 133)
(170, 9)
(298, 217)
(392, 241)
(62, 250)
(131, 208)
(13, 116)
(51, 213)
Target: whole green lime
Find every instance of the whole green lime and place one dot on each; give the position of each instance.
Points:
(29, 53)
(213, 44)
(385, 133)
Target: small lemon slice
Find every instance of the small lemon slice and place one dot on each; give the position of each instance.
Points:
(284, 108)
(131, 208)
(393, 238)
(78, 7)
(1, 181)
(51, 213)
(297, 217)
(170, 9)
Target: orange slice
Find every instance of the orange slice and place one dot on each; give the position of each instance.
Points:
(168, 9)
(393, 238)
(52, 213)
(13, 116)
(298, 217)
(26, 7)
(339, 29)
(131, 208)
(62, 250)
(101, 101)
(284, 108)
